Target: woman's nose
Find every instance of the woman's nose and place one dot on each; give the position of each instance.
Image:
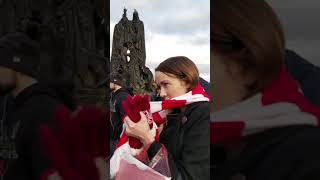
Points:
(163, 93)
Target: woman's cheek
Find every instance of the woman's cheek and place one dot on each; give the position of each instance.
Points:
(170, 93)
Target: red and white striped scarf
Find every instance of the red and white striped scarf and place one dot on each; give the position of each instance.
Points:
(278, 105)
(159, 110)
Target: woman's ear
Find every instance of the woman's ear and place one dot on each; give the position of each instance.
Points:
(251, 83)
(248, 76)
(244, 76)
(185, 85)
(244, 79)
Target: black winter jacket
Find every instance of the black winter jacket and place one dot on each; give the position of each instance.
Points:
(288, 153)
(187, 139)
(307, 74)
(22, 154)
(117, 111)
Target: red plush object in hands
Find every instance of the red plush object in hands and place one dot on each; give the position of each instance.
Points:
(132, 107)
(76, 142)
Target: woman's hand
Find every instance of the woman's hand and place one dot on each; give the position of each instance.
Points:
(139, 130)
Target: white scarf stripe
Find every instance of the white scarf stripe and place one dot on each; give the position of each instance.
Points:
(258, 118)
(156, 106)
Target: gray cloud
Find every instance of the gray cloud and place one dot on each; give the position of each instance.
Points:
(309, 50)
(185, 23)
(179, 17)
(300, 23)
(203, 68)
(288, 4)
(300, 20)
(198, 40)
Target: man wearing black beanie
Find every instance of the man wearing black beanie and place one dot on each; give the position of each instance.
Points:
(21, 153)
(119, 93)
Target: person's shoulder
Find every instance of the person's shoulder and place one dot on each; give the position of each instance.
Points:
(198, 112)
(199, 107)
(122, 91)
(41, 102)
(299, 142)
(38, 107)
(121, 95)
(293, 149)
(307, 140)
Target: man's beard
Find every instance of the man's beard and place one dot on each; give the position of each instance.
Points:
(6, 88)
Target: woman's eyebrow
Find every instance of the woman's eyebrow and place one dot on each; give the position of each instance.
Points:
(162, 82)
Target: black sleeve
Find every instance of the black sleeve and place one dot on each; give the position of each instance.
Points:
(195, 155)
(288, 153)
(118, 105)
(307, 74)
(303, 150)
(153, 149)
(34, 156)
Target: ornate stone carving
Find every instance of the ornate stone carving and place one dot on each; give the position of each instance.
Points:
(75, 41)
(129, 53)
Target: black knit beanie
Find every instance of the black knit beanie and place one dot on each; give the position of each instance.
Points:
(20, 53)
(116, 78)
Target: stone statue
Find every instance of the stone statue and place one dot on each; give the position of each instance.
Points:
(129, 53)
(75, 41)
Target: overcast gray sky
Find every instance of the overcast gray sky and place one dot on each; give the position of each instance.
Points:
(301, 23)
(172, 28)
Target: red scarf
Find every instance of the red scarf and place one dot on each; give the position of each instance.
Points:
(278, 105)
